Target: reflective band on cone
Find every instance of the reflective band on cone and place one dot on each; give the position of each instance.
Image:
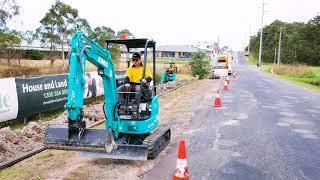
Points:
(217, 100)
(225, 87)
(228, 80)
(182, 171)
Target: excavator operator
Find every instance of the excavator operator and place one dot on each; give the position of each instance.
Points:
(171, 68)
(133, 79)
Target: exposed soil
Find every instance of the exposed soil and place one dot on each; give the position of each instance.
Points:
(14, 143)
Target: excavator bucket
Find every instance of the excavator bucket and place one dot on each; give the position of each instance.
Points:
(94, 143)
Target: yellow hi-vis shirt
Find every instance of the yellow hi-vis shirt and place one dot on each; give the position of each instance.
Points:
(135, 73)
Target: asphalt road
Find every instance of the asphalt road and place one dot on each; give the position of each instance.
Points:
(268, 128)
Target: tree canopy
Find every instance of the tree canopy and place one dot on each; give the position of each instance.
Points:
(57, 26)
(127, 32)
(300, 42)
(199, 66)
(8, 9)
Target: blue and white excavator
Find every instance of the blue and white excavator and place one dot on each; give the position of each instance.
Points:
(133, 132)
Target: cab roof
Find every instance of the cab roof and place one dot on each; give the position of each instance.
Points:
(132, 43)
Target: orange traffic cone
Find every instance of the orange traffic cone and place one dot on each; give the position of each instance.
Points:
(228, 80)
(225, 87)
(217, 100)
(182, 171)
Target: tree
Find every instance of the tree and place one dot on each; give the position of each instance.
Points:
(8, 9)
(199, 66)
(8, 38)
(100, 35)
(58, 24)
(10, 41)
(84, 26)
(127, 32)
(28, 37)
(300, 42)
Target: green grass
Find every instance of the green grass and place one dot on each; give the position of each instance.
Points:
(37, 167)
(299, 74)
(302, 81)
(185, 77)
(309, 82)
(252, 60)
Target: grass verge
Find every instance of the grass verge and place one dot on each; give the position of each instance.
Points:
(306, 76)
(185, 77)
(36, 167)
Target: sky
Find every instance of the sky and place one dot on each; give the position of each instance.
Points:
(173, 22)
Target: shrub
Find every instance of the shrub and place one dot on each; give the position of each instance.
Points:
(35, 54)
(184, 69)
(315, 82)
(199, 66)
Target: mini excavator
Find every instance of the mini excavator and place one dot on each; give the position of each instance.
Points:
(132, 134)
(170, 73)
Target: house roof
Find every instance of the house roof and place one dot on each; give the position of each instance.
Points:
(177, 48)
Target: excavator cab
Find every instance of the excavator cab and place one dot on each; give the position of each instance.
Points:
(132, 134)
(138, 103)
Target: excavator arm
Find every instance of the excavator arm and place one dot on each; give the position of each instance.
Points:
(83, 49)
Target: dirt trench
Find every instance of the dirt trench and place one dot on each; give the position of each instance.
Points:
(177, 109)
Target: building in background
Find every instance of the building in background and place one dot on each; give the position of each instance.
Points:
(175, 51)
(210, 47)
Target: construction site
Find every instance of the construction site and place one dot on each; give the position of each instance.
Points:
(167, 90)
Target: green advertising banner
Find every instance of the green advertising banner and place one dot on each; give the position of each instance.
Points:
(41, 94)
(23, 97)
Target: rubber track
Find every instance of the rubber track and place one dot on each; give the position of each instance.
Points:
(157, 141)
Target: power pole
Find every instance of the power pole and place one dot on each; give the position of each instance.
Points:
(249, 40)
(249, 46)
(279, 47)
(275, 56)
(218, 45)
(260, 49)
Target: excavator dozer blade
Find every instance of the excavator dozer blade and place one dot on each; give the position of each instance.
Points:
(93, 143)
(127, 152)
